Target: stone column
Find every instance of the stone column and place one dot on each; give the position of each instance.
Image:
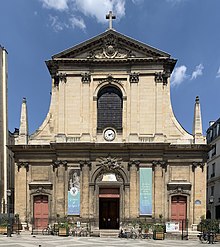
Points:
(133, 167)
(84, 186)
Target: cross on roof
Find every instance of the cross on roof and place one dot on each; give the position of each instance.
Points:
(110, 17)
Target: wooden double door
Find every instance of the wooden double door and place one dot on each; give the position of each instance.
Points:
(179, 210)
(41, 211)
(108, 213)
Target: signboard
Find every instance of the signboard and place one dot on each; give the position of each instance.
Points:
(145, 191)
(74, 192)
(172, 227)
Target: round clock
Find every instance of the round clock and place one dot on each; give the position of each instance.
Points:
(109, 134)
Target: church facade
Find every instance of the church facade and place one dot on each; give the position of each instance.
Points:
(110, 150)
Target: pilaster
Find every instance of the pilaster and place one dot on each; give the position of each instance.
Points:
(21, 190)
(84, 202)
(133, 167)
(199, 198)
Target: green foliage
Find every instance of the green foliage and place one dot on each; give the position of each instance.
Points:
(3, 221)
(158, 227)
(207, 225)
(64, 225)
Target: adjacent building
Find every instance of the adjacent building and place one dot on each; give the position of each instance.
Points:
(213, 171)
(110, 150)
(6, 138)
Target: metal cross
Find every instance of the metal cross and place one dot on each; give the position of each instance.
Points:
(110, 17)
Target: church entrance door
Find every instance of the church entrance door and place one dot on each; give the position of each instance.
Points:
(40, 212)
(109, 213)
(109, 208)
(178, 210)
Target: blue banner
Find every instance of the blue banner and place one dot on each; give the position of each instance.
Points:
(145, 191)
(74, 192)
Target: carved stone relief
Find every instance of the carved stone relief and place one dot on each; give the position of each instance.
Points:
(110, 48)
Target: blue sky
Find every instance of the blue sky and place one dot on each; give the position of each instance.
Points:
(34, 30)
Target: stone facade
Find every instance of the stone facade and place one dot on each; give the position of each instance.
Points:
(110, 119)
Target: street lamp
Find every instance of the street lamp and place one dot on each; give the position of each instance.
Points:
(8, 210)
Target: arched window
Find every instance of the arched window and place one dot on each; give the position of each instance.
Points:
(109, 108)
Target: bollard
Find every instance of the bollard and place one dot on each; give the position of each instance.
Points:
(211, 238)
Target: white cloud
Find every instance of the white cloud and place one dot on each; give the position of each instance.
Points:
(55, 4)
(77, 22)
(137, 1)
(218, 73)
(99, 8)
(175, 1)
(90, 8)
(197, 72)
(178, 75)
(56, 24)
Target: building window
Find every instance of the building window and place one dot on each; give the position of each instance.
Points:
(207, 174)
(213, 150)
(213, 170)
(212, 191)
(109, 109)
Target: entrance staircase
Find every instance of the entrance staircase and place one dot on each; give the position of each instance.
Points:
(109, 233)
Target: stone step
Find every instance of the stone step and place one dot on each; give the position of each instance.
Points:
(109, 233)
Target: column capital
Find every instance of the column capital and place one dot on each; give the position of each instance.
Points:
(84, 163)
(23, 164)
(133, 163)
(198, 164)
(162, 163)
(57, 163)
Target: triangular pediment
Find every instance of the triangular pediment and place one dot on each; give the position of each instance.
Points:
(111, 45)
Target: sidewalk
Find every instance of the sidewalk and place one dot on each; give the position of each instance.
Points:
(27, 240)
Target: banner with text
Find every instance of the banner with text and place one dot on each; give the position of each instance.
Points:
(145, 191)
(74, 192)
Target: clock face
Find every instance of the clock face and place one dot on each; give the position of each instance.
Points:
(109, 135)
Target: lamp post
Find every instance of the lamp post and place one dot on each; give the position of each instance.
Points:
(8, 210)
